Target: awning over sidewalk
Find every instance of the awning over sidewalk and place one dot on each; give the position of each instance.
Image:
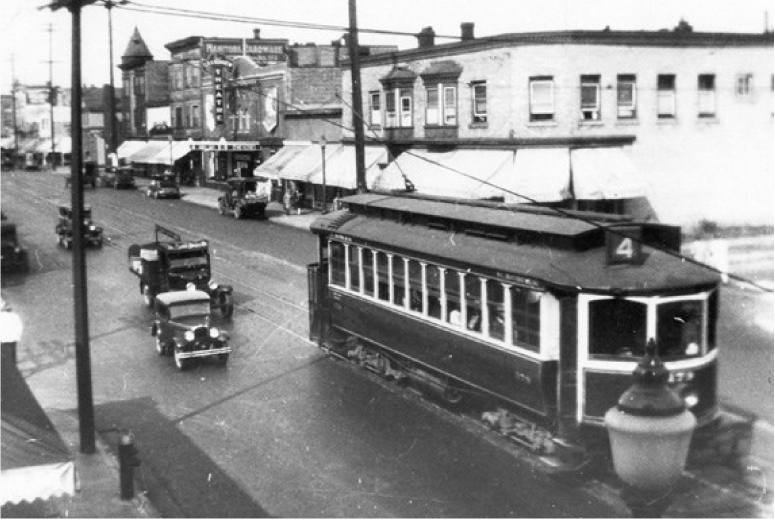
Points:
(274, 167)
(128, 148)
(167, 155)
(35, 462)
(540, 175)
(605, 173)
(462, 173)
(43, 145)
(341, 171)
(149, 150)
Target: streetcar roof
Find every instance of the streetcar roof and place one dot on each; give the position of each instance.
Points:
(539, 262)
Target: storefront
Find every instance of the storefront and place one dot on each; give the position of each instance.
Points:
(223, 159)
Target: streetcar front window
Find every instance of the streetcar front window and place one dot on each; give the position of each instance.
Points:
(337, 263)
(679, 329)
(617, 327)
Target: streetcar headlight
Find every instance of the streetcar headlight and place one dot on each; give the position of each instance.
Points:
(189, 335)
(213, 332)
(691, 400)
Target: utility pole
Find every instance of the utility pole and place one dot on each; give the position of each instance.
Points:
(112, 89)
(357, 101)
(15, 121)
(51, 93)
(82, 353)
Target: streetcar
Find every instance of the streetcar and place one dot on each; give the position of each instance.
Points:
(536, 319)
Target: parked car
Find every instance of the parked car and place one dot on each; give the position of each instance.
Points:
(182, 329)
(163, 187)
(14, 256)
(171, 265)
(245, 196)
(118, 177)
(92, 233)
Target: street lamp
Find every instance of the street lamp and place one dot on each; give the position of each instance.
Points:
(650, 431)
(323, 151)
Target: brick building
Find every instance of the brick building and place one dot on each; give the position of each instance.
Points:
(675, 124)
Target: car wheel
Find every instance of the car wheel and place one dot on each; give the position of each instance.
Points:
(161, 348)
(226, 303)
(148, 296)
(223, 358)
(180, 362)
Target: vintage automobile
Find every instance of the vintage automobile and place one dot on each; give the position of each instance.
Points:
(163, 187)
(14, 256)
(92, 233)
(118, 177)
(183, 330)
(245, 196)
(171, 265)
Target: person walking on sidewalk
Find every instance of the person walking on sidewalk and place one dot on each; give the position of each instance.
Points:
(288, 200)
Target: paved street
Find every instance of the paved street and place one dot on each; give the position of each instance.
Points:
(284, 430)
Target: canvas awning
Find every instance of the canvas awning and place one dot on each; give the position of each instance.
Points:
(306, 162)
(34, 461)
(273, 167)
(466, 174)
(605, 173)
(341, 171)
(540, 175)
(128, 148)
(167, 155)
(149, 150)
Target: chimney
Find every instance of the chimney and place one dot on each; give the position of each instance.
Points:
(256, 34)
(425, 38)
(466, 31)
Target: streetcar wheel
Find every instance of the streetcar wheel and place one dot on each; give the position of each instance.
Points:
(452, 395)
(147, 296)
(180, 362)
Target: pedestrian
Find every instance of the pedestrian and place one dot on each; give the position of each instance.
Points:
(10, 331)
(287, 199)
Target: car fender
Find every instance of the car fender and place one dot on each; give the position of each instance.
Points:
(223, 289)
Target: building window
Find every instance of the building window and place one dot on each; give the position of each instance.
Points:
(590, 98)
(390, 109)
(195, 119)
(542, 98)
(479, 102)
(432, 106)
(625, 96)
(195, 75)
(450, 106)
(188, 116)
(375, 109)
(178, 117)
(744, 85)
(401, 115)
(437, 113)
(243, 122)
(706, 95)
(406, 107)
(666, 96)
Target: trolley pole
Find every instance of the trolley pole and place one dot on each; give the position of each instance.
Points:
(357, 101)
(82, 354)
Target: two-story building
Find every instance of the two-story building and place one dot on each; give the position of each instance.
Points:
(673, 124)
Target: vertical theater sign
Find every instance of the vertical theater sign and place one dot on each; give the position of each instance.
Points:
(218, 64)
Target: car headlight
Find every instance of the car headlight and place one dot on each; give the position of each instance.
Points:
(213, 332)
(189, 335)
(92, 228)
(212, 285)
(691, 400)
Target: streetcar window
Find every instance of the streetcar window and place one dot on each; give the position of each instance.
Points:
(398, 281)
(473, 303)
(383, 277)
(354, 268)
(433, 288)
(712, 319)
(452, 292)
(337, 263)
(496, 310)
(526, 318)
(368, 272)
(617, 327)
(679, 329)
(415, 286)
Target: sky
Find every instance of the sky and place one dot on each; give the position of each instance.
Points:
(31, 37)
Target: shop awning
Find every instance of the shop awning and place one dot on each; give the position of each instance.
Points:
(605, 173)
(540, 175)
(341, 171)
(466, 174)
(276, 165)
(34, 461)
(306, 162)
(167, 155)
(128, 148)
(149, 150)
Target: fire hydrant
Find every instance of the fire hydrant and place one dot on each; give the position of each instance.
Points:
(127, 461)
